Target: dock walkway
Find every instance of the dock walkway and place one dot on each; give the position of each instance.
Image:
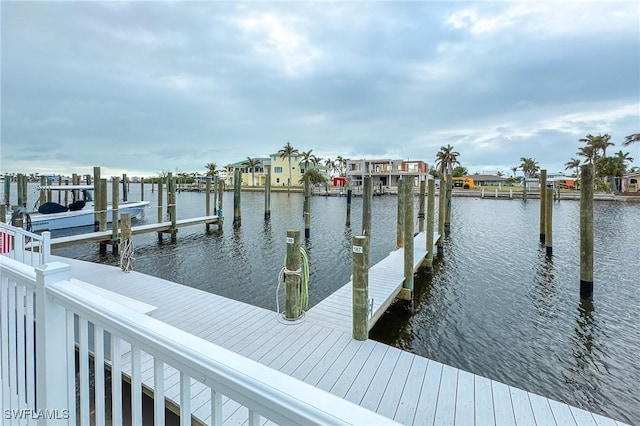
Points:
(405, 387)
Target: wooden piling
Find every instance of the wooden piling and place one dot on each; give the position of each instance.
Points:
(220, 194)
(7, 190)
(125, 242)
(115, 198)
(102, 211)
(400, 215)
(586, 232)
(96, 197)
(160, 202)
(141, 189)
(43, 196)
(367, 201)
(407, 285)
(360, 291)
(237, 220)
(423, 187)
(3, 213)
(524, 188)
(307, 208)
(292, 277)
(543, 204)
(431, 207)
(125, 187)
(548, 221)
(19, 190)
(267, 194)
(447, 218)
(171, 201)
(348, 223)
(441, 209)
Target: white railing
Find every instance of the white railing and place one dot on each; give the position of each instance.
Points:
(25, 246)
(209, 382)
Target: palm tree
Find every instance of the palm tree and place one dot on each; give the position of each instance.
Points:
(529, 167)
(211, 169)
(624, 156)
(252, 163)
(589, 153)
(631, 139)
(514, 170)
(330, 165)
(341, 165)
(574, 163)
(286, 152)
(599, 143)
(446, 158)
(306, 158)
(499, 173)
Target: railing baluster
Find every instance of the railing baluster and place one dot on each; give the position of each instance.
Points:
(71, 366)
(12, 379)
(19, 247)
(116, 381)
(254, 418)
(30, 350)
(20, 341)
(99, 374)
(83, 348)
(4, 321)
(158, 385)
(136, 387)
(185, 399)
(216, 408)
(45, 247)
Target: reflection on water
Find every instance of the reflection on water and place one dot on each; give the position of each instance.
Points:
(495, 305)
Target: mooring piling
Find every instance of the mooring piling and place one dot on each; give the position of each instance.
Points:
(400, 215)
(267, 194)
(237, 220)
(349, 193)
(7, 190)
(586, 232)
(307, 208)
(407, 285)
(160, 202)
(171, 201)
(423, 186)
(543, 204)
(125, 187)
(292, 277)
(441, 208)
(360, 288)
(114, 214)
(125, 243)
(548, 223)
(42, 199)
(96, 198)
(141, 189)
(220, 194)
(367, 201)
(431, 207)
(447, 207)
(207, 198)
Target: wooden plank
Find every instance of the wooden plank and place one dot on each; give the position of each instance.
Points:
(426, 409)
(502, 404)
(314, 374)
(562, 413)
(393, 391)
(541, 410)
(373, 395)
(406, 410)
(446, 408)
(582, 417)
(521, 407)
(483, 402)
(310, 358)
(333, 365)
(465, 401)
(361, 361)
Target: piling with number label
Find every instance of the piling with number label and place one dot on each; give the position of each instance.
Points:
(543, 204)
(292, 277)
(586, 232)
(360, 290)
(367, 201)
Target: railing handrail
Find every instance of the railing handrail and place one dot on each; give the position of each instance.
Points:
(18, 270)
(21, 236)
(268, 392)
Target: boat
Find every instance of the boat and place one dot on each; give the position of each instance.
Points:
(80, 212)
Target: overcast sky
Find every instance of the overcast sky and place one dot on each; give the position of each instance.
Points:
(149, 86)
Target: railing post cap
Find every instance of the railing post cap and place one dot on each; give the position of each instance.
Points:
(52, 268)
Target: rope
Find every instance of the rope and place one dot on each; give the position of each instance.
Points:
(303, 273)
(126, 255)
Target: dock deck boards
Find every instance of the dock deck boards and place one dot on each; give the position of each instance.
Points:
(403, 386)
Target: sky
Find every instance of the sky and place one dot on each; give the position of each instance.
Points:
(148, 86)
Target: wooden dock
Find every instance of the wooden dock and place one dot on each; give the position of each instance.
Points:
(397, 384)
(385, 282)
(105, 236)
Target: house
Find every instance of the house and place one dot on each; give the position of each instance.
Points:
(385, 172)
(631, 182)
(488, 180)
(279, 171)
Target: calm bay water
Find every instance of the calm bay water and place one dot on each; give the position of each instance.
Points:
(495, 305)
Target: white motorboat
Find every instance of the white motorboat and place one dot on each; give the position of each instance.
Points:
(80, 212)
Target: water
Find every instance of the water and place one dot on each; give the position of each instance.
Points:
(495, 305)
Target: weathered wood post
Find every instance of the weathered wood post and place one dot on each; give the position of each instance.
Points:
(441, 209)
(431, 207)
(126, 247)
(43, 196)
(524, 188)
(3, 213)
(267, 194)
(447, 208)
(153, 182)
(360, 290)
(171, 200)
(215, 182)
(423, 187)
(292, 277)
(543, 204)
(367, 201)
(400, 214)
(307, 208)
(220, 194)
(349, 193)
(207, 198)
(141, 189)
(96, 198)
(115, 196)
(19, 183)
(7, 190)
(125, 187)
(407, 285)
(160, 204)
(548, 221)
(586, 232)
(237, 220)
(102, 211)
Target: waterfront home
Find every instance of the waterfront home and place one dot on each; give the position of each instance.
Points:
(385, 172)
(630, 182)
(279, 171)
(487, 180)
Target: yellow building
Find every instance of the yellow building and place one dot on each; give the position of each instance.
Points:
(279, 171)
